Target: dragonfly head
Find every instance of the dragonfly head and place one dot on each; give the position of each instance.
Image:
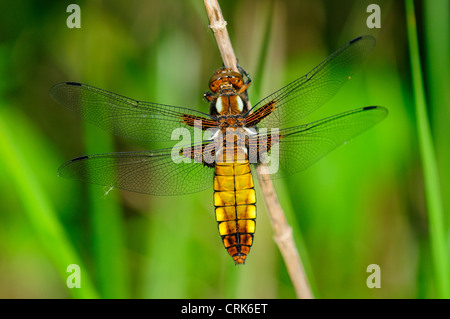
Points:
(224, 80)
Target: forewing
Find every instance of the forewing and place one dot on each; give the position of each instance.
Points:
(304, 95)
(124, 116)
(301, 146)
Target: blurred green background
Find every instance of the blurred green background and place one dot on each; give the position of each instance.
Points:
(362, 204)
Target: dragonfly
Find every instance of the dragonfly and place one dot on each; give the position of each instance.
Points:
(257, 133)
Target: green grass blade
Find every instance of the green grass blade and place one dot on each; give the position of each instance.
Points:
(439, 248)
(270, 60)
(105, 211)
(39, 209)
(108, 239)
(437, 49)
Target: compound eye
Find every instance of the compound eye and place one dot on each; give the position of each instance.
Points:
(236, 82)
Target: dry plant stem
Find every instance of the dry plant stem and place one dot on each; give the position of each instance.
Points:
(283, 236)
(219, 27)
(283, 232)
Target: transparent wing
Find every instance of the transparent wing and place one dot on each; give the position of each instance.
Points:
(156, 172)
(304, 95)
(151, 172)
(301, 146)
(124, 116)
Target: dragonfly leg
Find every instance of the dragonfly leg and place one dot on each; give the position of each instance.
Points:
(243, 72)
(243, 89)
(209, 96)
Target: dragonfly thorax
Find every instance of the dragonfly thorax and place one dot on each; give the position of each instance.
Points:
(229, 104)
(232, 121)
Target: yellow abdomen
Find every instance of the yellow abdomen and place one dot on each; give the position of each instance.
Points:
(235, 205)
